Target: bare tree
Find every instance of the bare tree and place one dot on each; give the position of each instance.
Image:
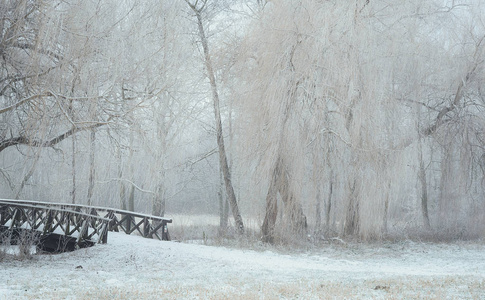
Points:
(198, 10)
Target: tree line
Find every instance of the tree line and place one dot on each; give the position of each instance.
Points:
(314, 118)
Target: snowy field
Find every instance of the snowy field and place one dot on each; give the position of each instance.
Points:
(130, 267)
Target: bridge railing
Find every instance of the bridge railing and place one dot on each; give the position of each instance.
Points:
(120, 220)
(52, 220)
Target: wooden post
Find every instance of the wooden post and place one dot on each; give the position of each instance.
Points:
(82, 232)
(103, 233)
(128, 224)
(14, 217)
(146, 227)
(48, 224)
(165, 231)
(67, 219)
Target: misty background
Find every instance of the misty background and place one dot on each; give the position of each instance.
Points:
(302, 118)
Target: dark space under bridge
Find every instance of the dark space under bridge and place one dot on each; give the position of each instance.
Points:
(58, 227)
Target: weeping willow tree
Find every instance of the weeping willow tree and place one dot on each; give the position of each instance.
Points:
(355, 118)
(340, 86)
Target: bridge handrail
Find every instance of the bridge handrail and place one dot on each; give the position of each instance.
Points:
(107, 209)
(10, 203)
(85, 228)
(147, 225)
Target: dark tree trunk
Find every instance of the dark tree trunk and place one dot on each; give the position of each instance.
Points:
(217, 114)
(271, 214)
(73, 191)
(293, 210)
(424, 188)
(328, 205)
(351, 226)
(92, 168)
(318, 211)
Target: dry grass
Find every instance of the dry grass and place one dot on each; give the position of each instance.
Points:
(24, 245)
(397, 288)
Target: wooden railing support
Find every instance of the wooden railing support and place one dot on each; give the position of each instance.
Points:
(70, 219)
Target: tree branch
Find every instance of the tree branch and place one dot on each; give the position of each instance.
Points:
(13, 79)
(34, 142)
(13, 106)
(27, 46)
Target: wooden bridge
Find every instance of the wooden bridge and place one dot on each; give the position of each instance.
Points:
(60, 227)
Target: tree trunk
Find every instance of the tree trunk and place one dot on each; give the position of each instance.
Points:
(328, 204)
(223, 208)
(225, 214)
(158, 205)
(424, 188)
(131, 198)
(220, 139)
(120, 178)
(159, 200)
(386, 208)
(351, 226)
(318, 211)
(294, 212)
(317, 183)
(92, 153)
(92, 165)
(28, 175)
(73, 191)
(271, 206)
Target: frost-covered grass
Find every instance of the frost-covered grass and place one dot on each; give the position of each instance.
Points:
(130, 267)
(442, 288)
(204, 227)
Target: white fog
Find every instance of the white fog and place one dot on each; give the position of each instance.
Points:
(302, 149)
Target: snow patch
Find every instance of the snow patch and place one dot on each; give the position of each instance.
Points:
(132, 267)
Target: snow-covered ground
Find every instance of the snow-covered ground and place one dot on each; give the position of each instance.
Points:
(130, 267)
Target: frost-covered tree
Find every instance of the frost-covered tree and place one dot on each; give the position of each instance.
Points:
(345, 80)
(78, 66)
(199, 9)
